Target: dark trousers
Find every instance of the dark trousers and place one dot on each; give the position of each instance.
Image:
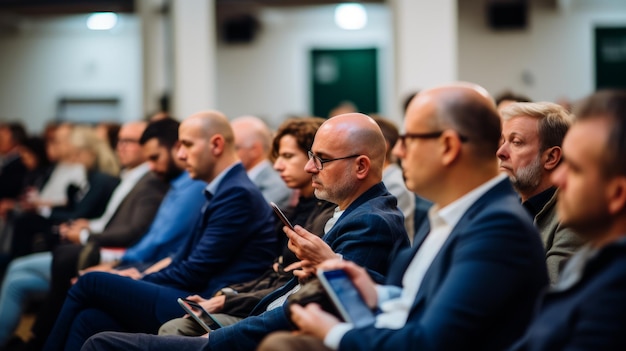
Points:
(110, 341)
(107, 302)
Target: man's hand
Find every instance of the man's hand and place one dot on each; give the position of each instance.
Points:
(71, 231)
(132, 273)
(312, 320)
(308, 247)
(359, 277)
(212, 305)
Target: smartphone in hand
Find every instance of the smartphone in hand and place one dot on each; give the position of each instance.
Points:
(346, 297)
(200, 315)
(281, 215)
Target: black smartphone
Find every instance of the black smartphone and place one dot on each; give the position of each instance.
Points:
(346, 297)
(281, 215)
(196, 311)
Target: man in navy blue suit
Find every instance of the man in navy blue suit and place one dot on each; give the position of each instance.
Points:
(233, 241)
(346, 163)
(586, 310)
(477, 265)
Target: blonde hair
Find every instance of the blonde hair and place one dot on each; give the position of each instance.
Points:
(85, 138)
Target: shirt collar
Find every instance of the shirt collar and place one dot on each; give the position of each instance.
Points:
(535, 204)
(256, 170)
(451, 214)
(135, 173)
(215, 183)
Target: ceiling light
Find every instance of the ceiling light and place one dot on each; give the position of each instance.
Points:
(350, 16)
(101, 20)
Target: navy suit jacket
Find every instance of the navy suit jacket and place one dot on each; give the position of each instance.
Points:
(589, 315)
(235, 241)
(369, 232)
(480, 289)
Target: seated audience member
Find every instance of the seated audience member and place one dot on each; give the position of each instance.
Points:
(177, 213)
(230, 304)
(127, 215)
(471, 280)
(66, 172)
(36, 231)
(174, 221)
(529, 153)
(231, 243)
(346, 163)
(393, 178)
(253, 141)
(32, 152)
(12, 169)
(586, 309)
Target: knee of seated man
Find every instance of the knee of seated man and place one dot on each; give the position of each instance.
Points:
(181, 326)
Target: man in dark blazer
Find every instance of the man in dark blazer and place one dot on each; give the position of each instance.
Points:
(233, 242)
(346, 163)
(586, 309)
(477, 265)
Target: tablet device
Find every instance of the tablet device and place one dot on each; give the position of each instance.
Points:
(281, 215)
(346, 297)
(196, 311)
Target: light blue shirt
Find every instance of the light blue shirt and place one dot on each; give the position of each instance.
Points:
(174, 221)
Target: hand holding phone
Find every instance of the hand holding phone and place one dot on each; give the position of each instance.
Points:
(346, 298)
(281, 215)
(198, 313)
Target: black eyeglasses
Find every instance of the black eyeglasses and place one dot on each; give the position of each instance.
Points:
(319, 162)
(432, 135)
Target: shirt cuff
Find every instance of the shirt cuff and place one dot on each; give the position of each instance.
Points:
(84, 236)
(387, 292)
(44, 211)
(336, 333)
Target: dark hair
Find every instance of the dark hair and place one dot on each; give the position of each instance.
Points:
(37, 147)
(474, 119)
(511, 96)
(165, 130)
(302, 129)
(17, 131)
(390, 132)
(611, 105)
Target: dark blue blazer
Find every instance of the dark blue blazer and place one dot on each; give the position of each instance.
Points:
(369, 232)
(234, 243)
(589, 315)
(480, 289)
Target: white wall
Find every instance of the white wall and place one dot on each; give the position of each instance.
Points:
(270, 76)
(59, 57)
(554, 52)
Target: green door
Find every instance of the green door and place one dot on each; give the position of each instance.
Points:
(344, 76)
(610, 53)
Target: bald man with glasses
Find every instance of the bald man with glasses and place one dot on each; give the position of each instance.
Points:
(346, 165)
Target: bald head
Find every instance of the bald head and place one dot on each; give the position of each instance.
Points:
(207, 144)
(350, 152)
(212, 122)
(355, 133)
(252, 140)
(466, 108)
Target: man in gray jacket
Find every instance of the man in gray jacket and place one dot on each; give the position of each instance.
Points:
(530, 150)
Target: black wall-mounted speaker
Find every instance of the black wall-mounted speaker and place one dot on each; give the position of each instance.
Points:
(240, 29)
(507, 14)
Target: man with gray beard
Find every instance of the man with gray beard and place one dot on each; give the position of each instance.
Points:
(530, 151)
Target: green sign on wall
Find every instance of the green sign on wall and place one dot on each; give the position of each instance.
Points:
(610, 54)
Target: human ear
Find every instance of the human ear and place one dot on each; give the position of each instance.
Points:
(552, 157)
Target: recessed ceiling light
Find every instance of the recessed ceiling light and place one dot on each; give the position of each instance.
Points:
(350, 16)
(102, 20)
